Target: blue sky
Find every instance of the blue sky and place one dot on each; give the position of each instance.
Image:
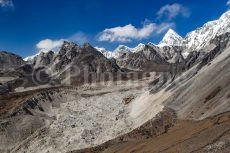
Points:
(29, 25)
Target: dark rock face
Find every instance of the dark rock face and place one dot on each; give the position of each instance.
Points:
(77, 63)
(173, 53)
(142, 59)
(204, 56)
(72, 62)
(3, 89)
(220, 42)
(9, 61)
(43, 59)
(73, 54)
(191, 59)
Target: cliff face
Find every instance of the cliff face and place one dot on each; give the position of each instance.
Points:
(9, 61)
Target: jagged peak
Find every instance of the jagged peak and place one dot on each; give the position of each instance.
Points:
(140, 44)
(152, 44)
(41, 53)
(171, 33)
(100, 48)
(171, 38)
(68, 44)
(105, 52)
(87, 45)
(138, 48)
(122, 48)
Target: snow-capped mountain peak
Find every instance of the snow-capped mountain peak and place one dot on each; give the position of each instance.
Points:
(151, 44)
(106, 53)
(171, 38)
(138, 48)
(122, 48)
(201, 37)
(29, 58)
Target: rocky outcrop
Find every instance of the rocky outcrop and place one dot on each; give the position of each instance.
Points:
(9, 61)
(77, 64)
(219, 44)
(142, 60)
(3, 89)
(43, 59)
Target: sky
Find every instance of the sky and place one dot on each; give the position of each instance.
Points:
(29, 26)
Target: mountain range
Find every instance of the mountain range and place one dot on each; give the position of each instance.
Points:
(193, 41)
(170, 97)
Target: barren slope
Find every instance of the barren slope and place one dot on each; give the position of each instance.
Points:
(206, 136)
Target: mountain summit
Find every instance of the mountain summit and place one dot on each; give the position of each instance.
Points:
(171, 38)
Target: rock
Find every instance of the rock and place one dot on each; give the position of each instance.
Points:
(3, 89)
(140, 60)
(43, 59)
(9, 61)
(128, 99)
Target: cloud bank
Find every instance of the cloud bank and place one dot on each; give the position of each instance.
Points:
(48, 45)
(129, 32)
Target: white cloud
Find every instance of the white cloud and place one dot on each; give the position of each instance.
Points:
(129, 32)
(228, 3)
(6, 3)
(48, 44)
(126, 33)
(171, 11)
(54, 45)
